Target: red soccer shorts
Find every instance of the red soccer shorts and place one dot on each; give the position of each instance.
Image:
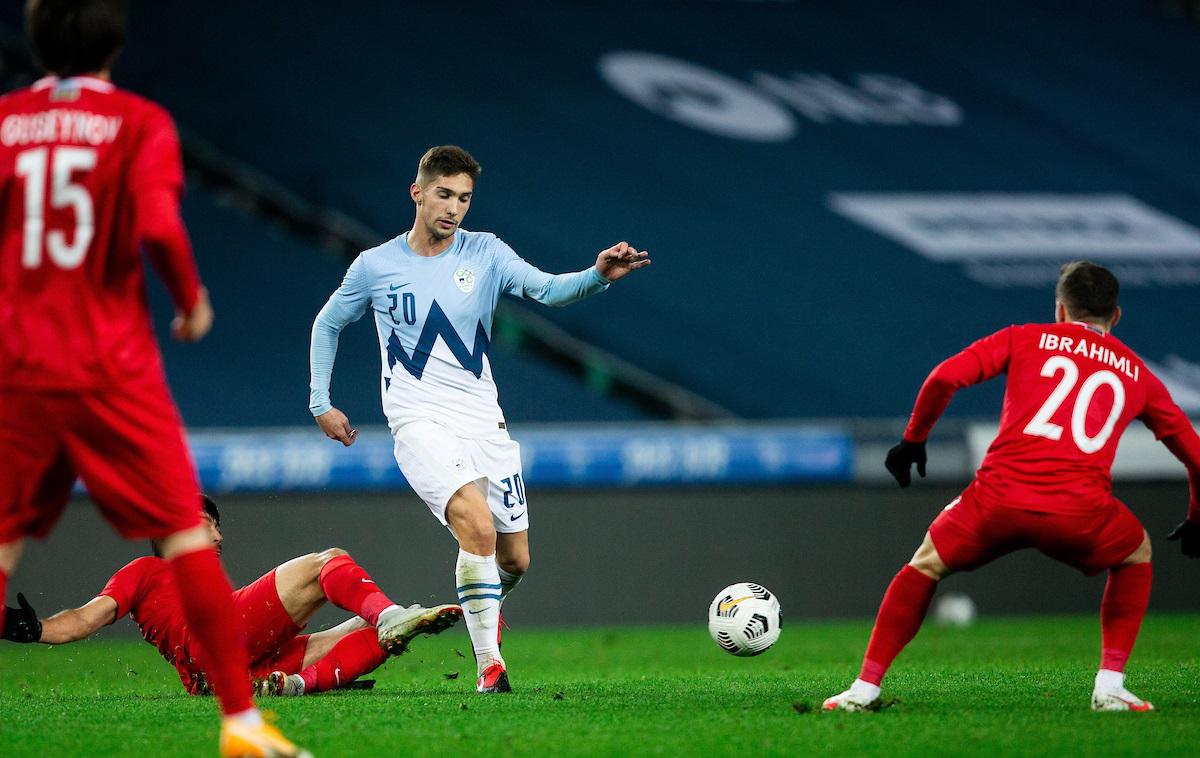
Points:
(971, 532)
(271, 635)
(127, 445)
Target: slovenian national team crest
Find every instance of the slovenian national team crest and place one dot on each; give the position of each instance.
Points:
(464, 279)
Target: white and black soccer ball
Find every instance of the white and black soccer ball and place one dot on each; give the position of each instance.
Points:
(745, 619)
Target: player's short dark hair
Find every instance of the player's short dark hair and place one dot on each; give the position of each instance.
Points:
(72, 37)
(1087, 290)
(446, 160)
(210, 508)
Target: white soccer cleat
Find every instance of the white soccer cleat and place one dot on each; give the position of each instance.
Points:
(399, 626)
(279, 684)
(1119, 699)
(850, 701)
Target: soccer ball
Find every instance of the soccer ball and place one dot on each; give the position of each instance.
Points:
(745, 619)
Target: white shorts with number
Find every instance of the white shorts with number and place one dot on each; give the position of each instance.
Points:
(437, 463)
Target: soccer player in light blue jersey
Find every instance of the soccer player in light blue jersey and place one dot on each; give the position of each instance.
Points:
(433, 292)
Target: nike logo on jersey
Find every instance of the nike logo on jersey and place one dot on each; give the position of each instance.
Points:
(394, 287)
(438, 325)
(366, 581)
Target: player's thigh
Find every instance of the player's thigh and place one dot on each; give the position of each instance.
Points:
(435, 462)
(290, 659)
(969, 533)
(265, 622)
(1096, 541)
(130, 451)
(36, 475)
(499, 460)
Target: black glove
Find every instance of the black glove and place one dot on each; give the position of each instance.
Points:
(900, 459)
(22, 624)
(1188, 534)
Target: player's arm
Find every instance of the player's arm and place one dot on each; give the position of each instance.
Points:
(21, 624)
(345, 306)
(1172, 427)
(980, 361)
(157, 173)
(524, 280)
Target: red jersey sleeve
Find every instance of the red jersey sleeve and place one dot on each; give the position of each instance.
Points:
(126, 586)
(981, 360)
(1170, 425)
(156, 178)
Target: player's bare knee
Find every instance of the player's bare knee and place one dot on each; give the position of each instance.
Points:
(514, 564)
(928, 562)
(328, 554)
(1143, 552)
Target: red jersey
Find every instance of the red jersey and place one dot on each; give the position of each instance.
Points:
(89, 175)
(145, 589)
(1072, 390)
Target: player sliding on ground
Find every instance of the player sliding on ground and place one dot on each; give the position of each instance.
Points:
(1046, 481)
(273, 610)
(433, 292)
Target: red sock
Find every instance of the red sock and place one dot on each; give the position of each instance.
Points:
(354, 655)
(350, 588)
(1121, 612)
(900, 616)
(207, 601)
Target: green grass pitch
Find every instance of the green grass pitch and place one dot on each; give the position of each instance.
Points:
(1003, 686)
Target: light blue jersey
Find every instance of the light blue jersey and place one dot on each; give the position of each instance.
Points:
(433, 316)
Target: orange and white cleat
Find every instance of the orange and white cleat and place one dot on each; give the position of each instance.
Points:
(850, 701)
(239, 740)
(1119, 699)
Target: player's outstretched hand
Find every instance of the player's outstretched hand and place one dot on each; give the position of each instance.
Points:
(901, 458)
(619, 260)
(193, 325)
(1188, 535)
(337, 427)
(22, 624)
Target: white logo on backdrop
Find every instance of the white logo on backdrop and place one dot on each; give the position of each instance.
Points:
(1020, 239)
(758, 110)
(697, 96)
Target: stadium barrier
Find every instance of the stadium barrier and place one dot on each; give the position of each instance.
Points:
(297, 459)
(642, 455)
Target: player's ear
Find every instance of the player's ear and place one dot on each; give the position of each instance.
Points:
(1115, 318)
(1060, 312)
(414, 191)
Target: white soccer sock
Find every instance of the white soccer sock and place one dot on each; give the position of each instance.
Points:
(248, 717)
(478, 581)
(508, 582)
(864, 691)
(1108, 680)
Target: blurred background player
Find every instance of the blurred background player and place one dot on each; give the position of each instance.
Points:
(90, 176)
(1046, 481)
(434, 292)
(272, 610)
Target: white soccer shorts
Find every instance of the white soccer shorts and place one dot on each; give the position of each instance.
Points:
(437, 463)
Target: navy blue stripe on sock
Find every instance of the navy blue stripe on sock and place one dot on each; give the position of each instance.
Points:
(480, 586)
(462, 599)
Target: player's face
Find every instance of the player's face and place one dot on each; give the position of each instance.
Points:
(214, 533)
(442, 203)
